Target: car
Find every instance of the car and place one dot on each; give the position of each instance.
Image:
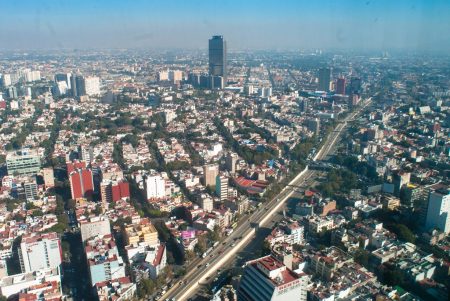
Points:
(233, 244)
(207, 264)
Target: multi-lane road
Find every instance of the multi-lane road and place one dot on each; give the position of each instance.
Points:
(243, 234)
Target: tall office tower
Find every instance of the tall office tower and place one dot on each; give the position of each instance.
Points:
(340, 86)
(400, 179)
(91, 85)
(12, 92)
(304, 105)
(222, 187)
(355, 85)
(248, 90)
(39, 251)
(218, 57)
(77, 84)
(194, 79)
(210, 173)
(267, 278)
(231, 161)
(175, 76)
(216, 82)
(64, 77)
(438, 212)
(6, 80)
(81, 183)
(324, 79)
(156, 187)
(24, 162)
(314, 126)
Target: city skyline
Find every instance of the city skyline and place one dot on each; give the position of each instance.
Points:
(361, 25)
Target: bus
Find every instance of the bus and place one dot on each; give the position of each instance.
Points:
(207, 252)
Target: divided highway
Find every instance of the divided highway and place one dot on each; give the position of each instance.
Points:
(246, 230)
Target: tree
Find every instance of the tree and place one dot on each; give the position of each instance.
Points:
(404, 233)
(145, 287)
(200, 247)
(215, 234)
(189, 256)
(361, 256)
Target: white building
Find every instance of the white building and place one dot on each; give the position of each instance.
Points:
(267, 279)
(438, 213)
(40, 251)
(222, 187)
(41, 279)
(155, 187)
(92, 85)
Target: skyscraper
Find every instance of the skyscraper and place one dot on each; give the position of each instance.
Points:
(324, 79)
(218, 57)
(340, 86)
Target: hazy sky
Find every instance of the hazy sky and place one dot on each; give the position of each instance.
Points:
(281, 24)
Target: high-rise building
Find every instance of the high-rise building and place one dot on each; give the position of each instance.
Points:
(267, 278)
(438, 212)
(324, 79)
(265, 91)
(340, 86)
(91, 85)
(218, 57)
(304, 105)
(6, 80)
(400, 179)
(222, 187)
(77, 85)
(248, 90)
(24, 162)
(355, 85)
(81, 183)
(155, 187)
(113, 191)
(40, 251)
(175, 76)
(210, 173)
(314, 125)
(64, 77)
(231, 161)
